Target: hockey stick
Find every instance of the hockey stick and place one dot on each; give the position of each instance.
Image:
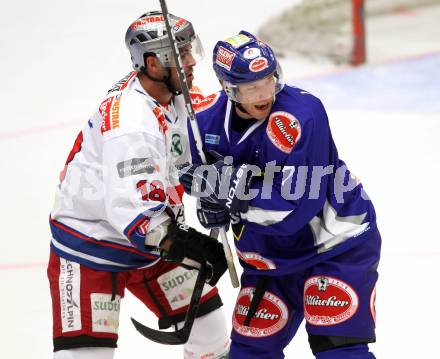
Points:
(195, 129)
(180, 336)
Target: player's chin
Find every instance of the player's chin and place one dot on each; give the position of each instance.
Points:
(189, 80)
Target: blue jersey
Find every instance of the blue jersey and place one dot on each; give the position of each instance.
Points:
(307, 207)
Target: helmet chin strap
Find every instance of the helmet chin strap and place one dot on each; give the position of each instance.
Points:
(166, 80)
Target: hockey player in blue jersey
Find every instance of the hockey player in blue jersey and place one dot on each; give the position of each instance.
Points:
(304, 229)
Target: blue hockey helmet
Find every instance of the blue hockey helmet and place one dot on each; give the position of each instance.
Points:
(247, 68)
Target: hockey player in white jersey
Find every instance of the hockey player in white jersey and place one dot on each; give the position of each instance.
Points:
(115, 221)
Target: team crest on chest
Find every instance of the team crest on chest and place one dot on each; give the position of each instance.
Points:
(283, 130)
(176, 145)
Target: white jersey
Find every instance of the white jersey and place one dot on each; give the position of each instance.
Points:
(120, 181)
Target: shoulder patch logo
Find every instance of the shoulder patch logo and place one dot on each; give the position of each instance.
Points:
(212, 139)
(104, 110)
(272, 314)
(115, 111)
(207, 102)
(109, 110)
(283, 130)
(328, 301)
(135, 166)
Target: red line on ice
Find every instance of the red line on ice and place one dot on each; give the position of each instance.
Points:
(39, 129)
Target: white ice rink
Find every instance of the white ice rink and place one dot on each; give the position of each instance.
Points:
(58, 58)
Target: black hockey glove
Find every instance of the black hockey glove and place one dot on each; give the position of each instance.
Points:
(186, 242)
(220, 183)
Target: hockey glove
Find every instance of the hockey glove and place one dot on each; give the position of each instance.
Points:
(220, 183)
(186, 242)
(212, 215)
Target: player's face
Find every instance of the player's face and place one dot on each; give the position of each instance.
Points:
(257, 97)
(259, 110)
(188, 63)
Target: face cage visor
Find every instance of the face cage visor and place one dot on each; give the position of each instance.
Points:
(189, 52)
(256, 91)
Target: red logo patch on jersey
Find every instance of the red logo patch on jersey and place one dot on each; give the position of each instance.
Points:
(115, 111)
(104, 110)
(196, 95)
(328, 301)
(271, 316)
(161, 119)
(283, 130)
(373, 305)
(258, 64)
(256, 260)
(207, 102)
(224, 58)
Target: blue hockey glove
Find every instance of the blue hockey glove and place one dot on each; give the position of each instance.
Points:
(220, 183)
(212, 215)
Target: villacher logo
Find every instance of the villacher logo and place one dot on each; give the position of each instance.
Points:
(270, 317)
(256, 260)
(283, 130)
(328, 301)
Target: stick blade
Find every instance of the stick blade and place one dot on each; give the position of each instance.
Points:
(178, 337)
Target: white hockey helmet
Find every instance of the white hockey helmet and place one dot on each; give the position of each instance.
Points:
(148, 35)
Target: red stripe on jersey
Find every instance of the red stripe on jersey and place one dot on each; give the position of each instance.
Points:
(138, 223)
